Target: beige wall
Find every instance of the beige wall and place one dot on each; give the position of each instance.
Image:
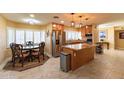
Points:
(110, 36)
(95, 33)
(48, 47)
(2, 39)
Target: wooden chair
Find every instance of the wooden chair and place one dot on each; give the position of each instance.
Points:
(37, 54)
(17, 53)
(99, 48)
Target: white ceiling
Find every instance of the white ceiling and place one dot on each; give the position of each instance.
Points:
(94, 18)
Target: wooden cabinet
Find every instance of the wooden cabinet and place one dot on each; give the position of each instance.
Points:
(89, 29)
(81, 54)
(57, 27)
(86, 30)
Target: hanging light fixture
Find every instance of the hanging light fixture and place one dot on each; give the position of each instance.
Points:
(80, 24)
(56, 18)
(86, 22)
(72, 22)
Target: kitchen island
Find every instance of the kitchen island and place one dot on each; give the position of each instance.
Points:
(80, 54)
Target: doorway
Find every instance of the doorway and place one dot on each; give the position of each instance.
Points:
(119, 39)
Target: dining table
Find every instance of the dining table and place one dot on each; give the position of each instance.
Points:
(30, 48)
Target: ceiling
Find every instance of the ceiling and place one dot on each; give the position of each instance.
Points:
(45, 18)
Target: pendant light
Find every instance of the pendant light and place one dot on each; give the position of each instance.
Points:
(80, 24)
(72, 22)
(86, 22)
(56, 18)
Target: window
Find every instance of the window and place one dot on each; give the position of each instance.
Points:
(10, 36)
(29, 35)
(73, 35)
(37, 37)
(42, 36)
(20, 36)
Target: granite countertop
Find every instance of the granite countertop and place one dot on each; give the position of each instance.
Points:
(77, 46)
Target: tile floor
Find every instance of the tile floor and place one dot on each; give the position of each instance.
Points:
(109, 65)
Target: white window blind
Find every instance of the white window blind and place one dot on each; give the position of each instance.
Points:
(42, 36)
(73, 35)
(20, 37)
(29, 35)
(37, 36)
(10, 36)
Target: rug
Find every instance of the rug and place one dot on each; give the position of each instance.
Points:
(27, 65)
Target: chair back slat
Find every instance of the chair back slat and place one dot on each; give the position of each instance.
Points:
(41, 47)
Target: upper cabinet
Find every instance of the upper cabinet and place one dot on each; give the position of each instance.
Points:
(87, 33)
(86, 29)
(57, 27)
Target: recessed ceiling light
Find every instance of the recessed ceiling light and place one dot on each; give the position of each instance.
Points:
(62, 22)
(31, 15)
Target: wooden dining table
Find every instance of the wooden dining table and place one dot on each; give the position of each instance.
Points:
(30, 48)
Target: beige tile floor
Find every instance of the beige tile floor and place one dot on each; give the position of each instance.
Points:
(109, 65)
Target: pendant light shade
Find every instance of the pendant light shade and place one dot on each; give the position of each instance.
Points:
(80, 24)
(72, 22)
(86, 22)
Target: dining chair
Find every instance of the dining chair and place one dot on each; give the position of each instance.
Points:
(99, 48)
(37, 54)
(18, 53)
(12, 51)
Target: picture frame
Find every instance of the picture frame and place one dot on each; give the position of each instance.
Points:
(121, 35)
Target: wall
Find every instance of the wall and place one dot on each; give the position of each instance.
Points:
(95, 33)
(110, 36)
(2, 39)
(48, 47)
